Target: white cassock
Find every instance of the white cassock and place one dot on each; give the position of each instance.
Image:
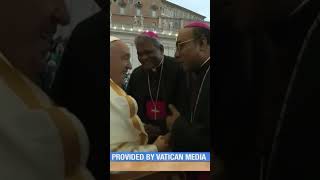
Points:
(38, 141)
(126, 129)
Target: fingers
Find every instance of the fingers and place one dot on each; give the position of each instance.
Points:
(162, 143)
(173, 110)
(163, 139)
(168, 123)
(167, 137)
(150, 129)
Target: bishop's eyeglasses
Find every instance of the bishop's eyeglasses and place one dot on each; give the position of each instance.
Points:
(179, 45)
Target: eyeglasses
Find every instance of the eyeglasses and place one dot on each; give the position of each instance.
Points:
(178, 45)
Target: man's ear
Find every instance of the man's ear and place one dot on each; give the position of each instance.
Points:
(203, 44)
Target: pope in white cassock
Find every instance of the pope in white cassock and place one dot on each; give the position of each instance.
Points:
(38, 140)
(126, 129)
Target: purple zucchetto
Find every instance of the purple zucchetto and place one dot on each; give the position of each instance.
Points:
(198, 24)
(150, 34)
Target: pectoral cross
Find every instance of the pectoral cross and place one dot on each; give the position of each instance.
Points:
(155, 111)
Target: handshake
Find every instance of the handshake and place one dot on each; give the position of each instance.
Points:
(163, 141)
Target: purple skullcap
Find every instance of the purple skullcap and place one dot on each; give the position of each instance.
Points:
(198, 24)
(150, 34)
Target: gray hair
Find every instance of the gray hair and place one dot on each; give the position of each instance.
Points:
(142, 38)
(113, 39)
(111, 44)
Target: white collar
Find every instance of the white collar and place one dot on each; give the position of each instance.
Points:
(161, 62)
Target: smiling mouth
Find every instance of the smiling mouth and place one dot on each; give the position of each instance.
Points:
(148, 66)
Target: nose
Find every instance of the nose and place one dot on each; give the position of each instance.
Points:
(129, 66)
(61, 15)
(176, 54)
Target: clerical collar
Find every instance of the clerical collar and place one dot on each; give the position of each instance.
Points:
(156, 68)
(205, 62)
(204, 66)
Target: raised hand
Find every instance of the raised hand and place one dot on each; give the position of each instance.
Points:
(175, 114)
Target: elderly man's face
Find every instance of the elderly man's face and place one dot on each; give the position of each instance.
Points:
(119, 62)
(27, 27)
(187, 52)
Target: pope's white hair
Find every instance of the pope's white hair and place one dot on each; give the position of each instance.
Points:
(113, 39)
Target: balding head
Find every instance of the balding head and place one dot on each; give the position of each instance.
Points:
(119, 61)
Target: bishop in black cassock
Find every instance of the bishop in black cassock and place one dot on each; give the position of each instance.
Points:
(155, 84)
(191, 130)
